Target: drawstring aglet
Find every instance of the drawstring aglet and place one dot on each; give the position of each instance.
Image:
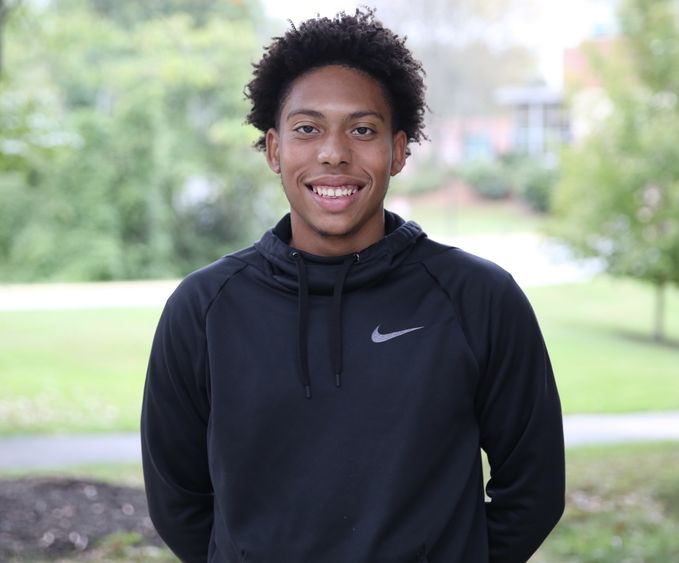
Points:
(338, 379)
(307, 391)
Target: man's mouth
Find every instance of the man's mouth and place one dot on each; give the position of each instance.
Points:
(334, 191)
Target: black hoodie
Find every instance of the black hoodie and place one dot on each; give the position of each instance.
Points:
(301, 409)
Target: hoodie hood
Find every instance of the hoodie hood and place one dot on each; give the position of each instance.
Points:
(319, 275)
(369, 265)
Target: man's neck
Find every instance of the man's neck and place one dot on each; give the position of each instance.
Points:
(324, 244)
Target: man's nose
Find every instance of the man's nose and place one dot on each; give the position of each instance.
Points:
(334, 150)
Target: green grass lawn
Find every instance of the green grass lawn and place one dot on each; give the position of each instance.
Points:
(124, 474)
(598, 335)
(77, 370)
(84, 370)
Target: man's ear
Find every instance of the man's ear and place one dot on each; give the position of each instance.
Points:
(272, 150)
(400, 152)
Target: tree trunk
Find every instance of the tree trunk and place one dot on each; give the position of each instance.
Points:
(659, 317)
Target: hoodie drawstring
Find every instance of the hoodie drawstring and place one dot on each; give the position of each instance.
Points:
(302, 322)
(335, 319)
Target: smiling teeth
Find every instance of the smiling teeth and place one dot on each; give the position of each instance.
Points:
(327, 191)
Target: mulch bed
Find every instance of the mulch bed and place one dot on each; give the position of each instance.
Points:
(55, 518)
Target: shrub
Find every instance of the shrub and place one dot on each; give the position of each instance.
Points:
(534, 181)
(488, 178)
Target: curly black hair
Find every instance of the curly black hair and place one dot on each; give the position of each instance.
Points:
(359, 41)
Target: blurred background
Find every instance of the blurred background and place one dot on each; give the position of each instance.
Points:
(125, 164)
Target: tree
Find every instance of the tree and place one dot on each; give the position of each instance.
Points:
(150, 170)
(130, 14)
(5, 7)
(3, 17)
(619, 197)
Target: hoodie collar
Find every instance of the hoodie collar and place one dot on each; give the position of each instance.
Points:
(371, 264)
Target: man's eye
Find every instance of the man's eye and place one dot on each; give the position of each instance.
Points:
(306, 129)
(363, 131)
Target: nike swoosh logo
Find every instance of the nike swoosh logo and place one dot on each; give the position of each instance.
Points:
(378, 337)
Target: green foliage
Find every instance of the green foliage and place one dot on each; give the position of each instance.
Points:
(619, 198)
(488, 178)
(619, 195)
(528, 178)
(200, 11)
(650, 28)
(534, 180)
(124, 153)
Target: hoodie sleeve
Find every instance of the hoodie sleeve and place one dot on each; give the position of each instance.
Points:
(521, 431)
(174, 426)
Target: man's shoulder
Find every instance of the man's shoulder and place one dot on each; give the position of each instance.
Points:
(200, 288)
(453, 265)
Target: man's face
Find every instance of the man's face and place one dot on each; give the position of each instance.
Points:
(335, 150)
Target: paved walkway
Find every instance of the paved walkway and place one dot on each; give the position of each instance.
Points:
(42, 452)
(94, 295)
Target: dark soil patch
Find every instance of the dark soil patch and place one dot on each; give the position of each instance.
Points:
(65, 518)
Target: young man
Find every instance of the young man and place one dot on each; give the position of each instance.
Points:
(323, 396)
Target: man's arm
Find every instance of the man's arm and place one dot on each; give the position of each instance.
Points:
(521, 432)
(173, 430)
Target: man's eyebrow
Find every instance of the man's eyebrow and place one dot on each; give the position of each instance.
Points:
(309, 112)
(366, 113)
(319, 115)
